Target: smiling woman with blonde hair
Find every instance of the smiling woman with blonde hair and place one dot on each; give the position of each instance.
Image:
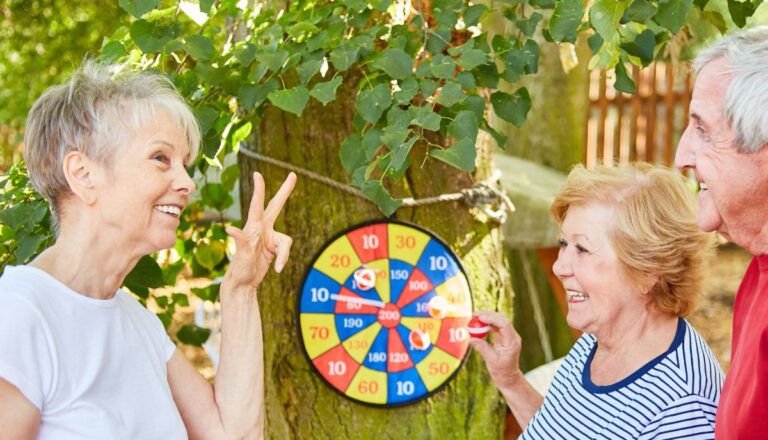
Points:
(631, 260)
(79, 357)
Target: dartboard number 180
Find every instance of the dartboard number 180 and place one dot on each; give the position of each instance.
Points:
(383, 313)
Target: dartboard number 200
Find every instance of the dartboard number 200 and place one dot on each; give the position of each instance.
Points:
(383, 313)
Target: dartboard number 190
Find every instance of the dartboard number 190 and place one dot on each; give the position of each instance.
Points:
(383, 313)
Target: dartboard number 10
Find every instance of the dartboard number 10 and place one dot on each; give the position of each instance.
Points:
(383, 312)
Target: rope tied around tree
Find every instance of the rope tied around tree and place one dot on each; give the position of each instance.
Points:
(483, 195)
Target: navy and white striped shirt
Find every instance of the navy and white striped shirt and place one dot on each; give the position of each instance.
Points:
(673, 396)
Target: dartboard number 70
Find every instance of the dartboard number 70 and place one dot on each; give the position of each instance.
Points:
(383, 313)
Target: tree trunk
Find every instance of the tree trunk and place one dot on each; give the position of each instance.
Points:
(299, 405)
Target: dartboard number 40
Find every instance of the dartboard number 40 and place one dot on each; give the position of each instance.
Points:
(383, 313)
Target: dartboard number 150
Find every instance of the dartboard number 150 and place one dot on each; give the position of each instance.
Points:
(383, 313)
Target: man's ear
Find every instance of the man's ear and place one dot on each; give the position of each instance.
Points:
(80, 171)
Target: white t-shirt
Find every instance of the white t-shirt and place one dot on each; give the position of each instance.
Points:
(96, 369)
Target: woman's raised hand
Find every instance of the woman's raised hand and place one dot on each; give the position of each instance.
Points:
(258, 244)
(503, 357)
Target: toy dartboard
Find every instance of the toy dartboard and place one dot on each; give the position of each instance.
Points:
(383, 313)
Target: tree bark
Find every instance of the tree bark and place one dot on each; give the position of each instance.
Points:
(299, 405)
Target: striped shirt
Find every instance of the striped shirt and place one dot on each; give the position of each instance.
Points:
(673, 396)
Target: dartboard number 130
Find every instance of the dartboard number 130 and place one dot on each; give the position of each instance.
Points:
(383, 313)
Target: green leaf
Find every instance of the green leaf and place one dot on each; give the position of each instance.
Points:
(274, 61)
(229, 177)
(246, 54)
(528, 26)
(739, 11)
(200, 47)
(397, 117)
(500, 138)
(241, 133)
(624, 82)
(396, 63)
(512, 108)
(543, 4)
(374, 190)
(308, 69)
(291, 100)
(487, 75)
(372, 103)
(642, 47)
(672, 13)
(344, 56)
(209, 255)
(715, 19)
(400, 156)
(443, 67)
(302, 27)
(473, 14)
(605, 16)
(216, 196)
(146, 274)
(565, 20)
(450, 94)
(408, 89)
(113, 51)
(193, 335)
(27, 244)
(152, 37)
(461, 155)
(640, 11)
(464, 126)
(180, 299)
(371, 143)
(467, 80)
(325, 92)
(352, 154)
(394, 136)
(205, 5)
(424, 117)
(472, 58)
(138, 8)
(24, 215)
(428, 87)
(208, 293)
(701, 4)
(252, 95)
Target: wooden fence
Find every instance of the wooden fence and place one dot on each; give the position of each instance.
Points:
(646, 126)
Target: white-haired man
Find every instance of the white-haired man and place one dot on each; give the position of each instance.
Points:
(726, 146)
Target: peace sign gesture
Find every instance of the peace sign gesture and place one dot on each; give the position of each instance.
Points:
(258, 243)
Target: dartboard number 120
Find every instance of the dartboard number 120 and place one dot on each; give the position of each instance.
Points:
(383, 313)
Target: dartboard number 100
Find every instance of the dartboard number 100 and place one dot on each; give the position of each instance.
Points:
(383, 313)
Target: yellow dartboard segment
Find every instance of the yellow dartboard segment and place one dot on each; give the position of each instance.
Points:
(369, 386)
(456, 291)
(360, 344)
(319, 333)
(429, 325)
(339, 260)
(436, 368)
(406, 243)
(382, 278)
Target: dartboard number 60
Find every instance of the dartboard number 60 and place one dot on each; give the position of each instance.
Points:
(383, 313)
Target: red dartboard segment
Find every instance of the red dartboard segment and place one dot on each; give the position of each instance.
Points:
(418, 284)
(370, 242)
(352, 308)
(337, 367)
(361, 349)
(398, 358)
(454, 337)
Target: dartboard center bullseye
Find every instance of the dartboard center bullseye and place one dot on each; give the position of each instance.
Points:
(389, 316)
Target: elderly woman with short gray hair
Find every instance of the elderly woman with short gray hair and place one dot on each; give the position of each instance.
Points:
(79, 357)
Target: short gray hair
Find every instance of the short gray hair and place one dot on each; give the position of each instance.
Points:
(746, 98)
(96, 112)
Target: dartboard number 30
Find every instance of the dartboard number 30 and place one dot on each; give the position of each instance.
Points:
(383, 313)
